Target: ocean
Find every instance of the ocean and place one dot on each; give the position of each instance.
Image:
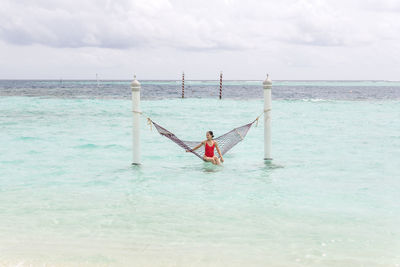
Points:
(70, 196)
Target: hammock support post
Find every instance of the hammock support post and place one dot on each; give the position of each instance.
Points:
(267, 85)
(135, 86)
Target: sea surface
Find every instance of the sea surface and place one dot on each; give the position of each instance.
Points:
(151, 90)
(69, 195)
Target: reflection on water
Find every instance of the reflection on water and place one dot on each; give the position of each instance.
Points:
(209, 167)
(270, 164)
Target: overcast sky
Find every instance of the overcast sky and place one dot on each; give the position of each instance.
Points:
(158, 39)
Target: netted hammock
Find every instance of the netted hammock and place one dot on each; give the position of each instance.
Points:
(225, 141)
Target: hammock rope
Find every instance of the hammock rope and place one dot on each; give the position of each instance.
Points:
(225, 142)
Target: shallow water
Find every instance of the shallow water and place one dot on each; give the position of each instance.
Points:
(69, 195)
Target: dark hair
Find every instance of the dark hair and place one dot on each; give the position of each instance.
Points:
(211, 133)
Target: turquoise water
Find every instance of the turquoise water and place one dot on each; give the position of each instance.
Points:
(69, 195)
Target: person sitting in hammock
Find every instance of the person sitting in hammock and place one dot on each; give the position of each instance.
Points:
(210, 144)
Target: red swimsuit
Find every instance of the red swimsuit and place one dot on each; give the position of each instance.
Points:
(209, 150)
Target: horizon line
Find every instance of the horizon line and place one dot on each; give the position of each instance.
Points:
(217, 80)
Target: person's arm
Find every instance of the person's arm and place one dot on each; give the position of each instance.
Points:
(219, 151)
(198, 146)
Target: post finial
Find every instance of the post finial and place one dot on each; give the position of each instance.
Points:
(135, 85)
(267, 82)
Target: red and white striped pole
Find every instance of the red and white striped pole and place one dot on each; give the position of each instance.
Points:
(183, 85)
(220, 85)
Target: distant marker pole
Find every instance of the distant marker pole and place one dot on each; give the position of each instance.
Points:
(135, 86)
(183, 85)
(267, 85)
(220, 85)
(97, 80)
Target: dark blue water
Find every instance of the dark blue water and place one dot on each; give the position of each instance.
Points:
(327, 90)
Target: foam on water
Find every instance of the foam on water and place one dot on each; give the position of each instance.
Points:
(70, 196)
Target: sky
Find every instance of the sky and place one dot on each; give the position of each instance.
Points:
(158, 39)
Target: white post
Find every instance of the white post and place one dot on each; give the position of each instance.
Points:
(135, 85)
(267, 85)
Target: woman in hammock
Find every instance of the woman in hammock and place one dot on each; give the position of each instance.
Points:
(210, 144)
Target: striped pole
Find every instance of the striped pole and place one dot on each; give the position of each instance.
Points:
(183, 85)
(220, 85)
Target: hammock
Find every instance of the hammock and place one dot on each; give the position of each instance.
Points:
(225, 141)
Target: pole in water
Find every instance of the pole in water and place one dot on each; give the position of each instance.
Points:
(135, 86)
(183, 85)
(97, 80)
(220, 85)
(267, 85)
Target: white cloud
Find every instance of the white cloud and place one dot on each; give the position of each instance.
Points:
(113, 24)
(181, 24)
(176, 34)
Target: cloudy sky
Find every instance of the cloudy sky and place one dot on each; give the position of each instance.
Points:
(158, 39)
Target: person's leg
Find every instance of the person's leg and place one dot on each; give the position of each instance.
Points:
(216, 159)
(208, 159)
